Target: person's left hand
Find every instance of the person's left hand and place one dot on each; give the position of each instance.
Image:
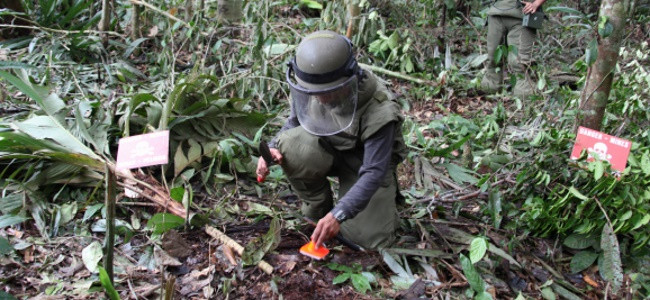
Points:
(530, 7)
(326, 229)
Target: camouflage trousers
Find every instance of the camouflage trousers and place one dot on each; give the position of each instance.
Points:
(508, 31)
(307, 166)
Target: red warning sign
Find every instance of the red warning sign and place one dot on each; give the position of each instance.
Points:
(143, 150)
(602, 146)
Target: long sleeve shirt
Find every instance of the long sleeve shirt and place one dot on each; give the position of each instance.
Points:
(377, 154)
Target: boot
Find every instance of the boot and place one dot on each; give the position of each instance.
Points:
(524, 88)
(491, 82)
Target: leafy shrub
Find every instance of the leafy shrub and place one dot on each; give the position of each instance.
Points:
(563, 197)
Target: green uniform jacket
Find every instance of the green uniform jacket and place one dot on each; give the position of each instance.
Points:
(506, 8)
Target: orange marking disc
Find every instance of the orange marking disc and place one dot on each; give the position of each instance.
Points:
(310, 250)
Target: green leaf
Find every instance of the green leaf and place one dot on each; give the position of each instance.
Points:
(394, 266)
(477, 249)
(445, 152)
(577, 193)
(6, 296)
(494, 200)
(91, 255)
(591, 52)
(177, 193)
(579, 241)
(5, 246)
(68, 212)
(473, 277)
(566, 294)
(645, 163)
(605, 27)
(11, 203)
(641, 222)
(393, 40)
(564, 9)
(44, 127)
(459, 174)
(548, 294)
(108, 286)
(341, 278)
(14, 65)
(91, 211)
(312, 4)
(360, 283)
(163, 222)
(582, 260)
(498, 54)
(483, 296)
(9, 220)
(255, 250)
(340, 268)
(599, 169)
(611, 268)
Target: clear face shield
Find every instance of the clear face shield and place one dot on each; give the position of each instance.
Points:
(327, 111)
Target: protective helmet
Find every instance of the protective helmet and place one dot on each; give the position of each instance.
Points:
(324, 80)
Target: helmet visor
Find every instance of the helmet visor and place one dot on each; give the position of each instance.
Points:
(326, 111)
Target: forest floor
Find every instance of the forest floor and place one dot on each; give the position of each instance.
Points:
(198, 266)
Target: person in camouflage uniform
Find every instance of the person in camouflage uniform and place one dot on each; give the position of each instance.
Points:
(344, 122)
(505, 22)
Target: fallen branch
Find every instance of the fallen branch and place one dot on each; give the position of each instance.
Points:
(397, 74)
(226, 240)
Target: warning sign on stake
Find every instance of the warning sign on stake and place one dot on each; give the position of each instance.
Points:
(143, 150)
(602, 146)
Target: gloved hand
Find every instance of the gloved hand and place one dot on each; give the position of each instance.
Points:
(262, 166)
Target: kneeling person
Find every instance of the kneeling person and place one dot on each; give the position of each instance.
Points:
(344, 123)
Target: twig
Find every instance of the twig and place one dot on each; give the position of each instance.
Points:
(478, 34)
(226, 240)
(398, 75)
(604, 213)
(453, 271)
(137, 203)
(448, 285)
(61, 31)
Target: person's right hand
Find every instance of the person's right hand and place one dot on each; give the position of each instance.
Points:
(530, 7)
(262, 166)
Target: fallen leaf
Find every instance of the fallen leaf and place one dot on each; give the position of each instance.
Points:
(28, 254)
(17, 233)
(164, 259)
(227, 251)
(286, 267)
(153, 31)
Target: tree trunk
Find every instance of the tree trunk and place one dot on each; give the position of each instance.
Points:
(353, 12)
(189, 10)
(105, 21)
(601, 74)
(135, 22)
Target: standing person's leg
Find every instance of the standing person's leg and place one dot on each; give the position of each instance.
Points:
(491, 82)
(306, 165)
(524, 39)
(375, 226)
